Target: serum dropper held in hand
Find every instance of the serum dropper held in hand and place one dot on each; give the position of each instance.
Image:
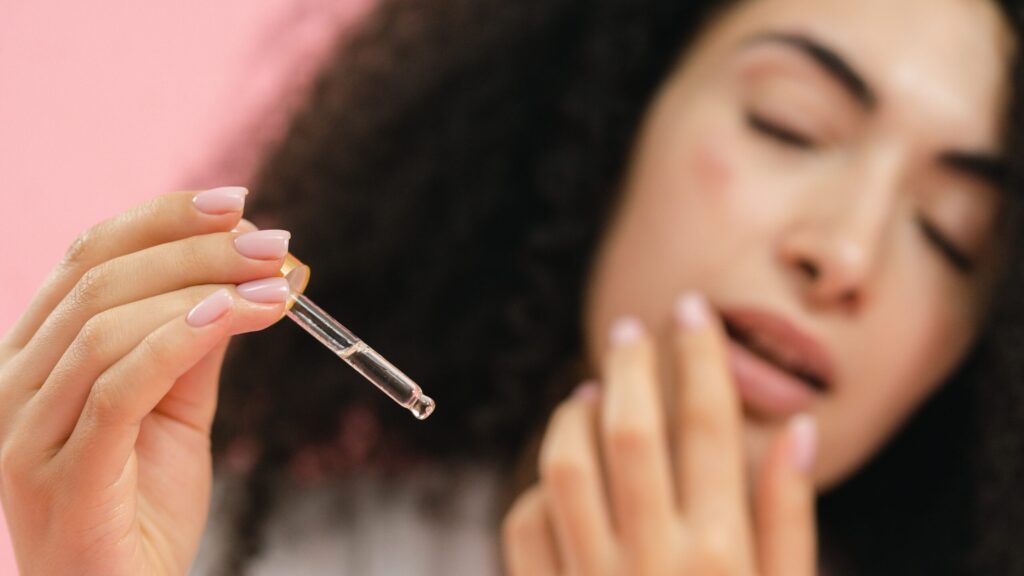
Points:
(340, 340)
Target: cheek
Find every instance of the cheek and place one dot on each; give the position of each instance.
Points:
(713, 167)
(917, 341)
(902, 354)
(689, 160)
(734, 197)
(671, 231)
(708, 208)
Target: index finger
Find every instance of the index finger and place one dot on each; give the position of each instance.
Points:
(167, 217)
(709, 424)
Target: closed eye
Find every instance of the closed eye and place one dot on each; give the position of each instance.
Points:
(778, 132)
(946, 248)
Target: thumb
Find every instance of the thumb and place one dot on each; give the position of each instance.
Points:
(787, 539)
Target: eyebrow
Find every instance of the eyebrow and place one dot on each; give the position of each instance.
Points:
(829, 61)
(987, 168)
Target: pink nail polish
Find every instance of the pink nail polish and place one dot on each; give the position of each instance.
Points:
(212, 307)
(220, 200)
(804, 431)
(265, 291)
(626, 330)
(692, 311)
(263, 244)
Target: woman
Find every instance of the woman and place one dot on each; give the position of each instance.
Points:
(829, 186)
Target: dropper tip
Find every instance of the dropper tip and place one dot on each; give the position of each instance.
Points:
(422, 407)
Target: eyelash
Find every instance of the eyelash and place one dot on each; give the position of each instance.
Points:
(954, 255)
(956, 258)
(779, 133)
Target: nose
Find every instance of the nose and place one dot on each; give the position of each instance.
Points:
(831, 267)
(833, 257)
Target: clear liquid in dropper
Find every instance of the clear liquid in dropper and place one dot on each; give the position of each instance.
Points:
(364, 359)
(391, 380)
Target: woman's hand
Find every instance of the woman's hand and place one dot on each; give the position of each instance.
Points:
(624, 493)
(108, 384)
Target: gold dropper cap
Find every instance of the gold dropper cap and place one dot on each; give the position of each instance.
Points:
(297, 274)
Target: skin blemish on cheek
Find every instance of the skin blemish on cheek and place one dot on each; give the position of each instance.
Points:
(712, 166)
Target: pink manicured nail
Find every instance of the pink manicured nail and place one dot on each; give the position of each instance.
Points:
(692, 311)
(265, 291)
(220, 200)
(804, 430)
(212, 307)
(626, 330)
(263, 244)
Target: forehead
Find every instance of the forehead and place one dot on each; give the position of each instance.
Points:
(944, 57)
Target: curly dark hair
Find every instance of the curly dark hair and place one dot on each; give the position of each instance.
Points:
(462, 158)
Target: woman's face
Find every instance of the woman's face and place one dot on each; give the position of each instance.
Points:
(824, 172)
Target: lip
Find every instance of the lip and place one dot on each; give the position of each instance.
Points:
(764, 387)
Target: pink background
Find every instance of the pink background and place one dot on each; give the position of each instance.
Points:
(103, 105)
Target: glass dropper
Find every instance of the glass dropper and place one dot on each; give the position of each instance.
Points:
(348, 346)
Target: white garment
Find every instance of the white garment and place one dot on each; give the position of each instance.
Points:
(440, 523)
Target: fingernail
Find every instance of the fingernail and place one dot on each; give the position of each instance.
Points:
(265, 291)
(626, 330)
(588, 391)
(263, 244)
(804, 431)
(220, 200)
(212, 307)
(692, 311)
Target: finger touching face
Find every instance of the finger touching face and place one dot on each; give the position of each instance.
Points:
(828, 176)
